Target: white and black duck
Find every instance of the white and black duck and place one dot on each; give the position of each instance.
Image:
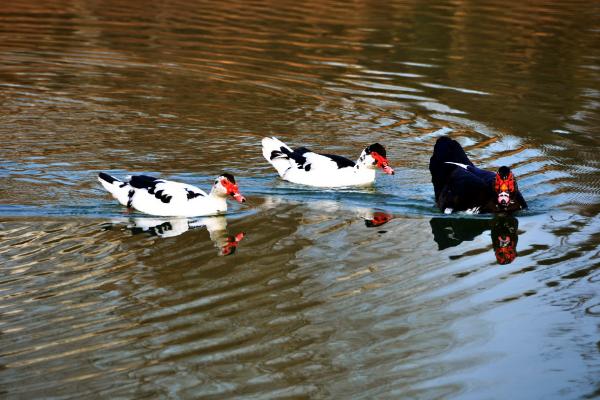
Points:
(306, 167)
(460, 186)
(161, 197)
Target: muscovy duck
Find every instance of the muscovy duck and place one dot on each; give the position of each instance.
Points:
(171, 199)
(460, 186)
(305, 167)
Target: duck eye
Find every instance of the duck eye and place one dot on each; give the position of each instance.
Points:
(216, 181)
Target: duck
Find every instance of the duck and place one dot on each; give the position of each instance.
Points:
(305, 167)
(161, 197)
(460, 186)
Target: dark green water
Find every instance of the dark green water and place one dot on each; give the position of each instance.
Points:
(312, 301)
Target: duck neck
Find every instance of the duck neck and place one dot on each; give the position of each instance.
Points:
(360, 163)
(363, 168)
(219, 201)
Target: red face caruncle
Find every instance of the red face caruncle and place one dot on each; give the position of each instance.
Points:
(506, 252)
(232, 190)
(505, 185)
(232, 244)
(382, 163)
(379, 218)
(504, 188)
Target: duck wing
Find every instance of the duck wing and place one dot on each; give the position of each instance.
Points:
(465, 190)
(487, 176)
(448, 154)
(307, 160)
(323, 162)
(153, 191)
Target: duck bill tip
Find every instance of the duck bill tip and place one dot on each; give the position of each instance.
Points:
(238, 197)
(388, 170)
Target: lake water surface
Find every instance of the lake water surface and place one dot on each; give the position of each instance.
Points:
(299, 293)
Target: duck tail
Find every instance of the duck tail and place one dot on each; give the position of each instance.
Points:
(118, 189)
(445, 152)
(277, 153)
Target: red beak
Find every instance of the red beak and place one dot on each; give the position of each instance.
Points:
(239, 197)
(382, 163)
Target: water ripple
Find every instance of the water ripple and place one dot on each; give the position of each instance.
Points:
(362, 293)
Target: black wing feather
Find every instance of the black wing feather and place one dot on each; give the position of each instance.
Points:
(488, 177)
(445, 150)
(298, 155)
(144, 181)
(464, 190)
(149, 183)
(342, 162)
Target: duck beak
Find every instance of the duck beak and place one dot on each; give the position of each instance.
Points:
(503, 199)
(239, 197)
(382, 163)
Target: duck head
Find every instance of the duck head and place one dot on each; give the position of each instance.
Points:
(505, 187)
(374, 156)
(225, 186)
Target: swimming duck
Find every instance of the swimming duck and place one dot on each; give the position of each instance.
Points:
(305, 167)
(173, 199)
(460, 186)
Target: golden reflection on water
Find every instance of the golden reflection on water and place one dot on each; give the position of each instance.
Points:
(326, 294)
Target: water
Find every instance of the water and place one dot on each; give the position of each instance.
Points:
(300, 293)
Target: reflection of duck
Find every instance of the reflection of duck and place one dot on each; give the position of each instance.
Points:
(172, 199)
(504, 238)
(324, 170)
(377, 218)
(450, 232)
(170, 227)
(460, 186)
(372, 217)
